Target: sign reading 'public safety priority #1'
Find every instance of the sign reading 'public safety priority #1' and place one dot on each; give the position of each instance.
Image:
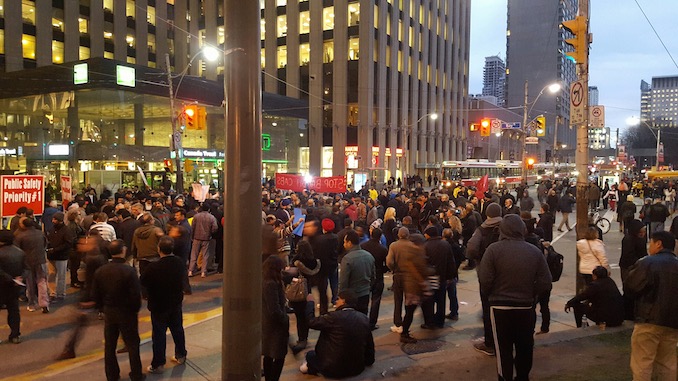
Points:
(18, 191)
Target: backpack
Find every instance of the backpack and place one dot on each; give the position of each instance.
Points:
(489, 235)
(555, 262)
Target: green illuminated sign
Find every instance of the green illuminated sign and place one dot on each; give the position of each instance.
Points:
(265, 142)
(80, 74)
(125, 76)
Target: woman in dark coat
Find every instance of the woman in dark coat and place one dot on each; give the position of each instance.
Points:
(308, 266)
(633, 248)
(626, 213)
(553, 200)
(274, 321)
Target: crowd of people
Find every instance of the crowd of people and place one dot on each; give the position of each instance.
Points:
(342, 245)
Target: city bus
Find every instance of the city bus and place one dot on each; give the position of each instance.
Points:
(500, 172)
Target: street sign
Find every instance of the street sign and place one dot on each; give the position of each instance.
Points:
(495, 126)
(517, 125)
(597, 117)
(531, 140)
(577, 103)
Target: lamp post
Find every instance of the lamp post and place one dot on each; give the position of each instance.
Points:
(210, 54)
(408, 129)
(633, 121)
(553, 88)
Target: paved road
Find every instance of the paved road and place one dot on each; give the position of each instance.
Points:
(44, 335)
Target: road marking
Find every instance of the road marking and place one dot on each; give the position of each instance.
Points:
(575, 224)
(58, 367)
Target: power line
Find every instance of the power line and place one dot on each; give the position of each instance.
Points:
(656, 33)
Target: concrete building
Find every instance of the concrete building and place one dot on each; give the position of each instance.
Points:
(645, 100)
(593, 95)
(494, 79)
(535, 52)
(664, 102)
(373, 72)
(599, 138)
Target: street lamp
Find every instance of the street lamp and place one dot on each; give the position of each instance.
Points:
(407, 129)
(553, 88)
(211, 54)
(634, 121)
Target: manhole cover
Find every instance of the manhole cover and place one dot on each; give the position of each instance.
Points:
(422, 346)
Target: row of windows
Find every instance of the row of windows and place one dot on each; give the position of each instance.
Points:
(28, 14)
(305, 21)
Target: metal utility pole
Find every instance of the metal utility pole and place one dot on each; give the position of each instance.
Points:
(555, 145)
(176, 135)
(582, 152)
(522, 144)
(659, 136)
(241, 321)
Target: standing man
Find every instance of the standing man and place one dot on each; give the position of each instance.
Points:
(61, 244)
(357, 272)
(379, 252)
(116, 289)
(12, 265)
(204, 225)
(166, 281)
(31, 240)
(145, 242)
(652, 281)
(440, 257)
(565, 206)
(511, 274)
(658, 215)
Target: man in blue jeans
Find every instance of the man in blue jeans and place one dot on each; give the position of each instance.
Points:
(166, 281)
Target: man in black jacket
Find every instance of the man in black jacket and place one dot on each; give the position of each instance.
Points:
(116, 289)
(12, 266)
(652, 281)
(600, 301)
(59, 248)
(379, 252)
(440, 257)
(166, 281)
(345, 346)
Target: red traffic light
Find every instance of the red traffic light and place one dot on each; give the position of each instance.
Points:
(485, 123)
(190, 111)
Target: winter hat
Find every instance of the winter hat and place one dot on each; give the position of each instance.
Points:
(327, 224)
(377, 223)
(431, 231)
(58, 216)
(286, 202)
(493, 210)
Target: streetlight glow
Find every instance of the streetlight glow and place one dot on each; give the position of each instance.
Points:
(555, 87)
(210, 53)
(434, 116)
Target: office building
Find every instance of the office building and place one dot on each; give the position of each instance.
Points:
(494, 78)
(373, 73)
(645, 100)
(664, 102)
(593, 96)
(535, 52)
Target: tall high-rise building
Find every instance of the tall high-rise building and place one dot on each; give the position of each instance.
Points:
(645, 100)
(663, 109)
(372, 75)
(535, 52)
(593, 95)
(373, 72)
(494, 78)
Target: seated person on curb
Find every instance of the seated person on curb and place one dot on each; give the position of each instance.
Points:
(345, 346)
(601, 301)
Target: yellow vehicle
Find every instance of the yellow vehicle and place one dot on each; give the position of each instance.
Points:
(662, 175)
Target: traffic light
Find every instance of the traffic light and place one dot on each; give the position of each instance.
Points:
(485, 127)
(188, 165)
(530, 163)
(474, 127)
(191, 117)
(201, 119)
(168, 166)
(579, 29)
(540, 124)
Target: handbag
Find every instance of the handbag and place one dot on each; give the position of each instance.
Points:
(297, 290)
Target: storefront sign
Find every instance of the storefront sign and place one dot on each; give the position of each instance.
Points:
(58, 149)
(80, 74)
(18, 191)
(7, 151)
(297, 183)
(66, 190)
(202, 153)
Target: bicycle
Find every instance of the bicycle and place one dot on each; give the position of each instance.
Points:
(601, 222)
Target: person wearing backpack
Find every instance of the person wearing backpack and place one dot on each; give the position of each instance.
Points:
(485, 235)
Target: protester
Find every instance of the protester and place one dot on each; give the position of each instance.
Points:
(591, 252)
(600, 301)
(275, 323)
(12, 268)
(357, 272)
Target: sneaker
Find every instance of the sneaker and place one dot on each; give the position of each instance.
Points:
(30, 308)
(304, 368)
(190, 273)
(203, 275)
(407, 339)
(155, 369)
(397, 329)
(122, 350)
(482, 348)
(65, 355)
(179, 360)
(45, 310)
(15, 340)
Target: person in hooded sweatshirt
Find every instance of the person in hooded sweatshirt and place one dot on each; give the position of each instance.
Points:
(511, 273)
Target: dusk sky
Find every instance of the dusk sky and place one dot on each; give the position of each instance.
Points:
(625, 50)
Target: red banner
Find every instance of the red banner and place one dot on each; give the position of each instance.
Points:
(297, 183)
(18, 191)
(482, 186)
